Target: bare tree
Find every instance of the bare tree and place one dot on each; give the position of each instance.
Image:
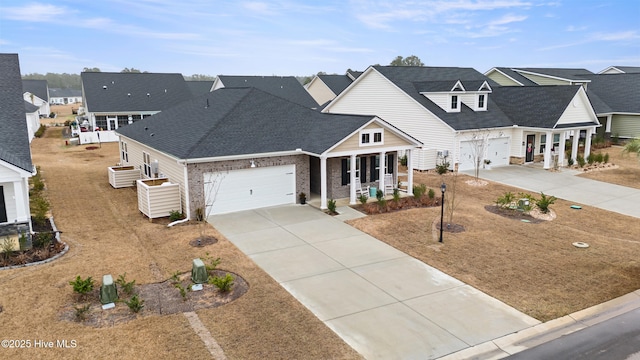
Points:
(479, 142)
(450, 200)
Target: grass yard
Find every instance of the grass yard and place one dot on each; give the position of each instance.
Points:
(627, 173)
(532, 267)
(108, 235)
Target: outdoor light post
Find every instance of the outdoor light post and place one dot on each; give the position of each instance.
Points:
(443, 188)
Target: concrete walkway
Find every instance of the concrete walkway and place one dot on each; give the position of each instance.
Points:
(565, 185)
(382, 302)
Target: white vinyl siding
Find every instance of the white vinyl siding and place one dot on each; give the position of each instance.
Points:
(542, 80)
(375, 95)
(320, 91)
(626, 126)
(578, 111)
(443, 100)
(502, 79)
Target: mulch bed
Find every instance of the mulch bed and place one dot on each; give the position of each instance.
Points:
(159, 299)
(35, 254)
(202, 241)
(512, 214)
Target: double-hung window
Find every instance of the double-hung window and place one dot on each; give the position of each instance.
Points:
(146, 160)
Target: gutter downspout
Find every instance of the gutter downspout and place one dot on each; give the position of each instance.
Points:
(186, 197)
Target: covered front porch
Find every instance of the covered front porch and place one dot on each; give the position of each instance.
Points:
(549, 146)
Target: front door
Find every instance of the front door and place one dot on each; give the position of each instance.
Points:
(3, 207)
(531, 146)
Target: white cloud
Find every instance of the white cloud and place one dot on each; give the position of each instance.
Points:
(507, 19)
(618, 36)
(34, 12)
(572, 28)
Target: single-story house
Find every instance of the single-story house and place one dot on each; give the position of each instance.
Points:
(324, 88)
(463, 118)
(113, 100)
(614, 92)
(15, 154)
(243, 148)
(58, 96)
(286, 87)
(36, 92)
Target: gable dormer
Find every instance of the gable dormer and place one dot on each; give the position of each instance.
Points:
(481, 97)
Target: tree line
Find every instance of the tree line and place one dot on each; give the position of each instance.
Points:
(73, 81)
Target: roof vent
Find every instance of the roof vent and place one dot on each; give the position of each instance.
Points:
(165, 91)
(129, 94)
(112, 82)
(148, 95)
(104, 87)
(207, 106)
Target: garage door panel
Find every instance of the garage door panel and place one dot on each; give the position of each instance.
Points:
(498, 151)
(251, 188)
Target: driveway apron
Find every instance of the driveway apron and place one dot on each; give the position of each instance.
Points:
(382, 302)
(565, 185)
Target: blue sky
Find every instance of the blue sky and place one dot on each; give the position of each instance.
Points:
(304, 37)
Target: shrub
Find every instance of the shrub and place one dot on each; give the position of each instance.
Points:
(40, 131)
(82, 312)
(379, 195)
(331, 206)
(175, 277)
(210, 263)
(506, 199)
(224, 284)
(580, 160)
(396, 195)
(7, 247)
(605, 158)
(82, 287)
(42, 239)
(591, 158)
(442, 168)
(175, 215)
(183, 290)
(363, 199)
(135, 304)
(431, 194)
(403, 160)
(544, 202)
(39, 209)
(127, 287)
(598, 157)
(570, 161)
(419, 190)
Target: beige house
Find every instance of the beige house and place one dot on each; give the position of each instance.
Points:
(242, 148)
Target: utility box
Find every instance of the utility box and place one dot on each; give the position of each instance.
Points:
(108, 291)
(199, 272)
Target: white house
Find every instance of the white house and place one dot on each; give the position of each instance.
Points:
(36, 92)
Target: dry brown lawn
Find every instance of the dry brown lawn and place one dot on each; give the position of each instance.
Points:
(532, 267)
(627, 173)
(108, 235)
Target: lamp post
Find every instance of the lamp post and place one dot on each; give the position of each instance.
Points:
(443, 188)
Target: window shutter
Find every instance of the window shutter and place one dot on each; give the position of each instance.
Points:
(363, 170)
(390, 164)
(345, 176)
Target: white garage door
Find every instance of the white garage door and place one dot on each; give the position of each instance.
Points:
(498, 151)
(467, 158)
(248, 189)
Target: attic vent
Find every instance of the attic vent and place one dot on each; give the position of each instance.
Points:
(152, 134)
(148, 95)
(165, 91)
(129, 94)
(104, 87)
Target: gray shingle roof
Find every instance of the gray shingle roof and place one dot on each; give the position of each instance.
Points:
(629, 69)
(14, 137)
(126, 92)
(620, 92)
(36, 87)
(337, 83)
(516, 76)
(405, 78)
(534, 106)
(30, 108)
(286, 87)
(58, 92)
(200, 87)
(241, 121)
(565, 73)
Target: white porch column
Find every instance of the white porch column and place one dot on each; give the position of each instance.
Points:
(323, 182)
(410, 172)
(22, 202)
(587, 143)
(352, 182)
(381, 173)
(574, 145)
(607, 128)
(561, 149)
(547, 150)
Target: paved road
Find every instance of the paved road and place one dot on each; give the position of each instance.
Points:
(614, 339)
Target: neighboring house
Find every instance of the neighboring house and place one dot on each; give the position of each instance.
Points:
(621, 70)
(614, 93)
(36, 92)
(247, 148)
(114, 100)
(463, 118)
(33, 119)
(324, 88)
(59, 96)
(200, 87)
(15, 154)
(286, 87)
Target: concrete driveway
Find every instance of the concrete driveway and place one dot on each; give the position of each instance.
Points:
(566, 185)
(382, 302)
